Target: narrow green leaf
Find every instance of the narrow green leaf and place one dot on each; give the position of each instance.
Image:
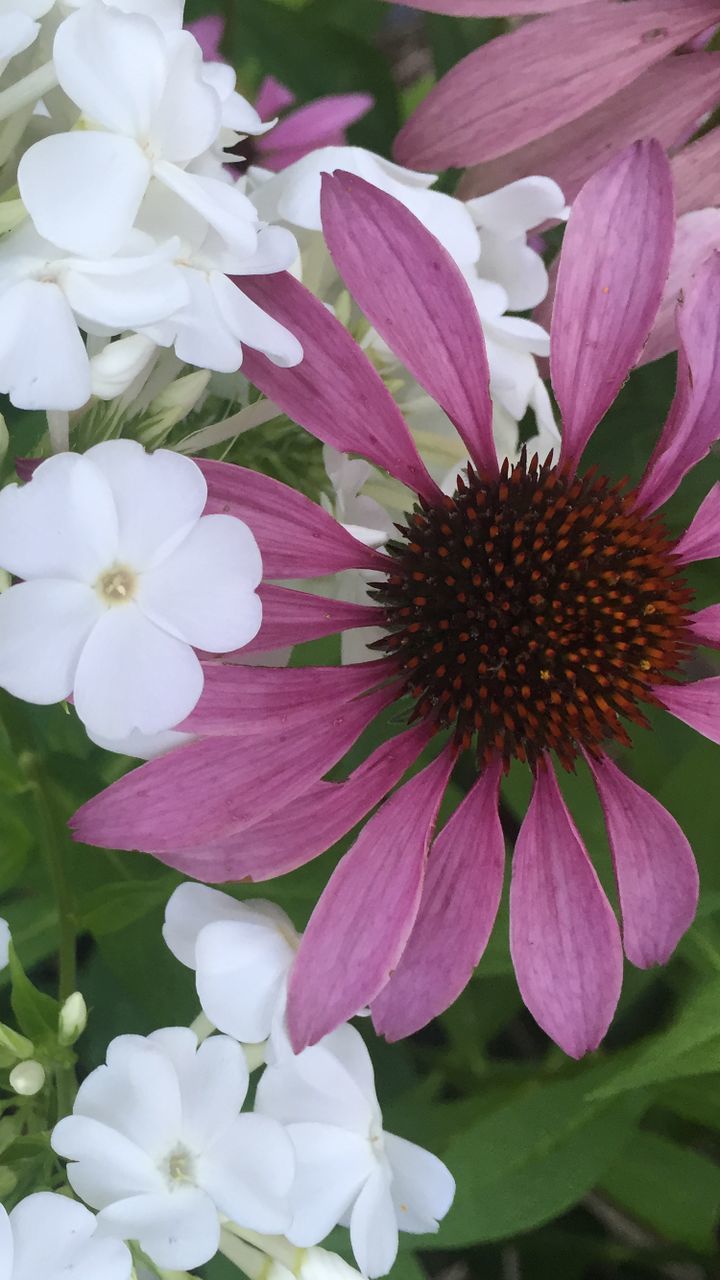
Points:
(36, 1013)
(669, 1188)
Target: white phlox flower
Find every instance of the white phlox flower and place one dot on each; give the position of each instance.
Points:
(49, 1236)
(349, 1170)
(124, 577)
(241, 953)
(503, 218)
(157, 1144)
(19, 26)
(4, 943)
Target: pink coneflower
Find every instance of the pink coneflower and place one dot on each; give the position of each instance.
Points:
(532, 615)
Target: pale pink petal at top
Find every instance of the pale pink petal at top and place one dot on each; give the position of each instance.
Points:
(564, 938)
(693, 423)
(361, 924)
(697, 236)
(208, 32)
(460, 898)
(705, 626)
(696, 704)
(272, 98)
(663, 103)
(315, 124)
(293, 617)
(492, 8)
(334, 392)
(410, 289)
(701, 539)
(532, 81)
(613, 267)
(657, 876)
(297, 538)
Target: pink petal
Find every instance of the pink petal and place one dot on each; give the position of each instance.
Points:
(208, 32)
(313, 125)
(701, 539)
(705, 626)
(361, 924)
(656, 872)
(532, 81)
(235, 697)
(272, 98)
(564, 938)
(613, 267)
(697, 236)
(492, 8)
(417, 298)
(297, 538)
(311, 824)
(334, 392)
(662, 103)
(293, 617)
(696, 704)
(207, 791)
(460, 898)
(693, 423)
(694, 171)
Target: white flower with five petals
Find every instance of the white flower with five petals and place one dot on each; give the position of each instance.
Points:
(52, 1237)
(123, 578)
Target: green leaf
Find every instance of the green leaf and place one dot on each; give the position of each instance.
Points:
(117, 905)
(18, 1046)
(669, 1188)
(36, 1013)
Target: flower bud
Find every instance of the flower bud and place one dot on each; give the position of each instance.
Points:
(27, 1078)
(314, 1264)
(73, 1019)
(171, 406)
(114, 369)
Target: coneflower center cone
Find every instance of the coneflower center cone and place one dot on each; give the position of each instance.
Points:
(534, 612)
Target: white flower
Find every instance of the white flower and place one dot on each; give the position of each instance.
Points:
(124, 576)
(349, 1170)
(241, 953)
(4, 943)
(503, 218)
(48, 1237)
(19, 26)
(151, 112)
(157, 1144)
(167, 14)
(46, 296)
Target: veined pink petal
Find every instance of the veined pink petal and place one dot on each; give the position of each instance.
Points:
(460, 898)
(492, 8)
(235, 697)
(693, 423)
(334, 392)
(272, 98)
(694, 171)
(705, 626)
(701, 539)
(209, 790)
(361, 924)
(311, 824)
(697, 236)
(209, 32)
(292, 617)
(564, 938)
(297, 538)
(696, 704)
(532, 81)
(418, 300)
(656, 872)
(312, 125)
(613, 267)
(662, 103)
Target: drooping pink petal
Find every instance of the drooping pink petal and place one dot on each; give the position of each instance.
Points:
(696, 704)
(293, 617)
(209, 32)
(311, 824)
(334, 392)
(538, 78)
(272, 98)
(297, 538)
(694, 171)
(701, 539)
(418, 300)
(705, 626)
(564, 938)
(361, 924)
(209, 790)
(656, 872)
(697, 236)
(613, 268)
(693, 423)
(460, 898)
(492, 8)
(663, 103)
(313, 125)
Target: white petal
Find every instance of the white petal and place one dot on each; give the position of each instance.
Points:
(332, 1168)
(444, 216)
(422, 1187)
(373, 1227)
(224, 206)
(167, 14)
(113, 67)
(213, 1085)
(114, 369)
(253, 326)
(17, 32)
(5, 938)
(132, 675)
(62, 524)
(159, 498)
(277, 250)
(189, 116)
(315, 1086)
(199, 331)
(105, 1166)
(248, 1171)
(514, 209)
(518, 268)
(44, 626)
(103, 178)
(126, 301)
(144, 746)
(43, 361)
(241, 970)
(53, 1237)
(190, 908)
(177, 1229)
(136, 1093)
(6, 1246)
(348, 1047)
(204, 593)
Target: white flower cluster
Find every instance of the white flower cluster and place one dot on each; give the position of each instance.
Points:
(158, 1144)
(128, 226)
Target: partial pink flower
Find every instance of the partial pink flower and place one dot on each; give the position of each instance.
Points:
(533, 615)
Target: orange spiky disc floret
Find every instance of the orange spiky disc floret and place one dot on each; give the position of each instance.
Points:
(535, 612)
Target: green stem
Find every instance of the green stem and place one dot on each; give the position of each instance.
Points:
(52, 848)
